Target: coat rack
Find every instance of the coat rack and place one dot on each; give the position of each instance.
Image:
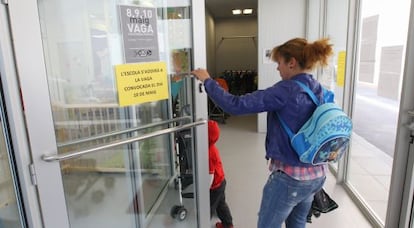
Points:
(236, 37)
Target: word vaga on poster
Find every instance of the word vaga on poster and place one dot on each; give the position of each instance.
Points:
(141, 82)
(140, 26)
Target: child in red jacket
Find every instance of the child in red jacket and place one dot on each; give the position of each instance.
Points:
(218, 182)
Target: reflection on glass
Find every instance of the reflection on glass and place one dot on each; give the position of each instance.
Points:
(336, 30)
(378, 87)
(125, 186)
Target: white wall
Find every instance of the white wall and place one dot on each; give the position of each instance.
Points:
(210, 42)
(278, 21)
(313, 23)
(232, 51)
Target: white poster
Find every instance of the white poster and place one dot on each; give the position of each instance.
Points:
(267, 54)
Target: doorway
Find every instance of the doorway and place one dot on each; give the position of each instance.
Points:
(111, 111)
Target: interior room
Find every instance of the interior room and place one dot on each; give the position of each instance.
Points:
(232, 43)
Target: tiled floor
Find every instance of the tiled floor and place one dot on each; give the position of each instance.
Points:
(370, 169)
(242, 151)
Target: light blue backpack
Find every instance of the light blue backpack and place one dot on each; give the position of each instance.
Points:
(325, 136)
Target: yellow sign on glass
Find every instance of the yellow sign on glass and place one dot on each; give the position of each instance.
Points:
(141, 82)
(340, 76)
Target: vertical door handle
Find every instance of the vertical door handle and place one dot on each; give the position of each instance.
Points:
(411, 126)
(200, 87)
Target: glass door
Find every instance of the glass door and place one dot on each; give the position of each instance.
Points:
(330, 19)
(11, 213)
(376, 105)
(112, 125)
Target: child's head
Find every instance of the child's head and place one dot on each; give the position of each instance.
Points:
(213, 132)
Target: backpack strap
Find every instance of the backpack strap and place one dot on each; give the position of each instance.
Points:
(285, 126)
(311, 95)
(307, 90)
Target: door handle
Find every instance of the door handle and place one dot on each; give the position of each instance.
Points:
(411, 125)
(61, 157)
(200, 87)
(129, 130)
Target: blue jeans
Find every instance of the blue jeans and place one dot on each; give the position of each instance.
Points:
(287, 200)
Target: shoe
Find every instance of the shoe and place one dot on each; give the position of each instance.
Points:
(220, 225)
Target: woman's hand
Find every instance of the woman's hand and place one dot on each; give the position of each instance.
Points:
(201, 74)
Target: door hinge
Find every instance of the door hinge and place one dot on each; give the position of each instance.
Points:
(5, 2)
(33, 174)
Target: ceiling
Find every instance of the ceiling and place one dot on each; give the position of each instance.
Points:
(222, 8)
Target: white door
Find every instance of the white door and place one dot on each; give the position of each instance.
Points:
(110, 111)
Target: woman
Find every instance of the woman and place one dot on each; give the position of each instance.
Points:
(288, 194)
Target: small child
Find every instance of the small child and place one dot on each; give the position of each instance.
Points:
(218, 182)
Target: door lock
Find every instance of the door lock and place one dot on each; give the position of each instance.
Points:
(200, 87)
(411, 127)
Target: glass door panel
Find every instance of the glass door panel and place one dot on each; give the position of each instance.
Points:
(10, 207)
(132, 185)
(329, 19)
(333, 77)
(377, 97)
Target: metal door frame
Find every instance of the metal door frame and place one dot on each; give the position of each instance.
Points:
(29, 62)
(15, 118)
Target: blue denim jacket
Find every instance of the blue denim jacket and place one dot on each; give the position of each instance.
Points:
(285, 97)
